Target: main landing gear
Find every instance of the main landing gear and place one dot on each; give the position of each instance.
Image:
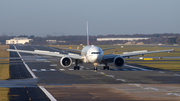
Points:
(76, 67)
(106, 67)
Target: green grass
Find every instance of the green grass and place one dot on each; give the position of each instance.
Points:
(4, 72)
(168, 65)
(4, 94)
(173, 67)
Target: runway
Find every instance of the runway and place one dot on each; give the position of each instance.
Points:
(130, 83)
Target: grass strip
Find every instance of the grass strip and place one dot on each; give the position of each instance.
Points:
(4, 72)
(4, 94)
(172, 67)
(167, 65)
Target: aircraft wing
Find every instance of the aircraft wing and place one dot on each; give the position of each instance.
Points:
(110, 57)
(142, 53)
(48, 53)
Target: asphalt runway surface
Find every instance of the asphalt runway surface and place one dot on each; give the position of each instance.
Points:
(130, 83)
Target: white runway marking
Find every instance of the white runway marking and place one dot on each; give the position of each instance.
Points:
(53, 64)
(34, 69)
(176, 74)
(71, 69)
(152, 88)
(34, 76)
(47, 93)
(43, 69)
(161, 72)
(27, 67)
(176, 94)
(137, 67)
(61, 69)
(53, 69)
(121, 80)
(135, 84)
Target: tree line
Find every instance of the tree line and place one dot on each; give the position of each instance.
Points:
(165, 38)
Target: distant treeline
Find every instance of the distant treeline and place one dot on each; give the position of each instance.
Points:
(165, 38)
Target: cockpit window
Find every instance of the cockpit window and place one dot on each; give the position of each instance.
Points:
(95, 53)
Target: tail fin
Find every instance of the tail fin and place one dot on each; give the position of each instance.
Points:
(87, 35)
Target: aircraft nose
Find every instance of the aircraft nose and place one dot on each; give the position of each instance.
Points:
(99, 58)
(96, 58)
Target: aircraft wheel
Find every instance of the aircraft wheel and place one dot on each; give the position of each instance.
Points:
(106, 67)
(77, 67)
(95, 68)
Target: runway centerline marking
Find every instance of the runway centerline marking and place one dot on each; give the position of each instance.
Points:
(53, 69)
(34, 69)
(43, 69)
(61, 69)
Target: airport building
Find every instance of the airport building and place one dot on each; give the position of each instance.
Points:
(51, 41)
(113, 39)
(19, 40)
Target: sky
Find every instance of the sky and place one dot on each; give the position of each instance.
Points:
(69, 17)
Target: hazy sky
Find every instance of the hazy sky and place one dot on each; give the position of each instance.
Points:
(64, 17)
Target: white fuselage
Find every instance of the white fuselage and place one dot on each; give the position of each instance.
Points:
(92, 54)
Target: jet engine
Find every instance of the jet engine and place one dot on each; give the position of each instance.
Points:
(119, 61)
(66, 61)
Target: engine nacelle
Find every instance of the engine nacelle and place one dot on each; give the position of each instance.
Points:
(119, 61)
(66, 61)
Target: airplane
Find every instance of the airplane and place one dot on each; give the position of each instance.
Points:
(89, 54)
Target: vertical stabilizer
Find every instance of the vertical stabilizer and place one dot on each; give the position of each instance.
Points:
(87, 35)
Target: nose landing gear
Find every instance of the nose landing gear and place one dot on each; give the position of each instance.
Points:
(95, 66)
